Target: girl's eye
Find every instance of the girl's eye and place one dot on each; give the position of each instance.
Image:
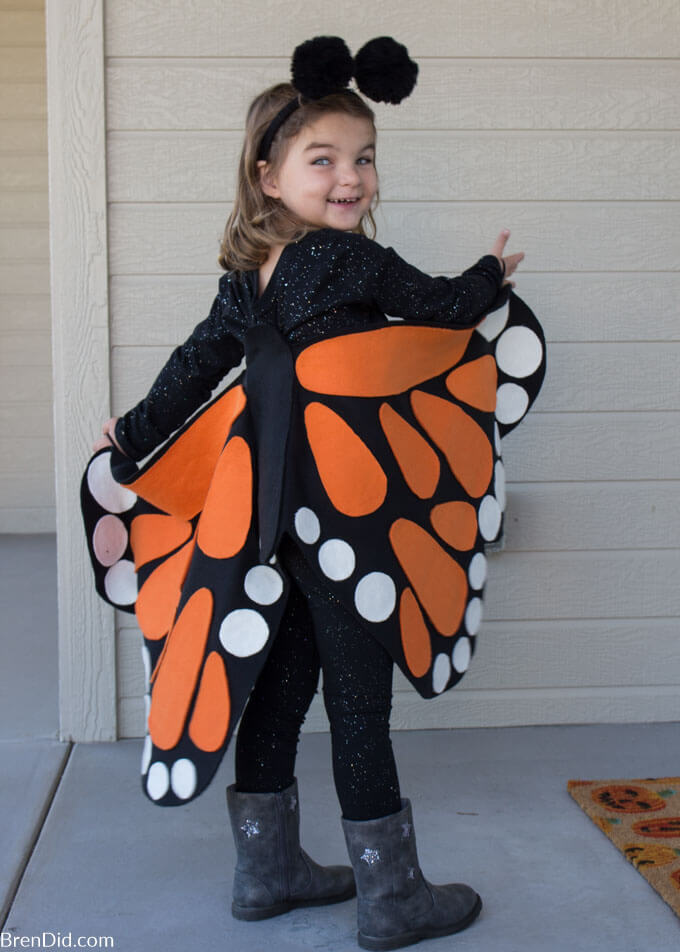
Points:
(323, 158)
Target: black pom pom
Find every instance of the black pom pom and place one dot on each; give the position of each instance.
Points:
(321, 66)
(383, 70)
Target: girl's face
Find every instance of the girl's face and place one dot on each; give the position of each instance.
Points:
(327, 161)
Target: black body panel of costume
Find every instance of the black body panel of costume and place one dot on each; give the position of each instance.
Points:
(374, 443)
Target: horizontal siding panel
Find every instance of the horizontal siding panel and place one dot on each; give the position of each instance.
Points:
(511, 656)
(25, 208)
(519, 28)
(170, 239)
(24, 489)
(22, 27)
(24, 277)
(23, 101)
(20, 519)
(17, 386)
(34, 418)
(19, 242)
(25, 310)
(23, 172)
(30, 456)
(417, 166)
(21, 64)
(488, 94)
(23, 135)
(596, 307)
(25, 348)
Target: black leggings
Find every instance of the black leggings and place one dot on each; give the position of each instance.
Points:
(317, 632)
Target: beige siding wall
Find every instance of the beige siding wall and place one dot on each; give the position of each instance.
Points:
(560, 121)
(26, 440)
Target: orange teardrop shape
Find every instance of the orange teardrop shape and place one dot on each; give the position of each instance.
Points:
(455, 523)
(210, 719)
(475, 383)
(382, 362)
(178, 482)
(439, 582)
(417, 460)
(159, 596)
(225, 520)
(464, 443)
(415, 638)
(177, 676)
(350, 473)
(153, 535)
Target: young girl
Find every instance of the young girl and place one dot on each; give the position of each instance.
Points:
(301, 270)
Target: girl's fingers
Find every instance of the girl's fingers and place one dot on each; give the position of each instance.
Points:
(500, 243)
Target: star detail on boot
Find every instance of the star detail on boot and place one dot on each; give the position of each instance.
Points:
(370, 856)
(406, 830)
(251, 828)
(411, 872)
(293, 803)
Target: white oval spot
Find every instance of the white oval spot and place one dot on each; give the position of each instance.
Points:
(494, 323)
(473, 616)
(477, 570)
(489, 517)
(337, 560)
(146, 753)
(307, 525)
(511, 403)
(375, 596)
(109, 539)
(244, 632)
(146, 659)
(519, 352)
(499, 484)
(147, 707)
(263, 585)
(108, 493)
(157, 780)
(441, 672)
(183, 778)
(461, 654)
(497, 438)
(120, 583)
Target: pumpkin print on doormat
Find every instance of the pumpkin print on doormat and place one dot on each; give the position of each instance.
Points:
(642, 819)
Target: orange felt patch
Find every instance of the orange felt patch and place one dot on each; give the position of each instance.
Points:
(210, 719)
(455, 523)
(415, 638)
(178, 482)
(417, 460)
(225, 520)
(439, 582)
(381, 362)
(177, 676)
(153, 535)
(464, 443)
(475, 383)
(350, 473)
(159, 596)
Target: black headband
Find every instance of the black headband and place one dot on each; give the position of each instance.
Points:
(324, 65)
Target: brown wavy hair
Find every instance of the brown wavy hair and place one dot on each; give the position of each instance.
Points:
(258, 221)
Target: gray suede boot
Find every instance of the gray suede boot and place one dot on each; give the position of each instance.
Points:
(273, 873)
(397, 905)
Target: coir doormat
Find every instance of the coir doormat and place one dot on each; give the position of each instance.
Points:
(642, 819)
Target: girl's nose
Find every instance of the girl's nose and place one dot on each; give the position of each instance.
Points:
(348, 174)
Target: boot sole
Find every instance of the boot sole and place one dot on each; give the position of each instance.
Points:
(256, 913)
(377, 944)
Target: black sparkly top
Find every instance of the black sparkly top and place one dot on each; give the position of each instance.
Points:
(328, 281)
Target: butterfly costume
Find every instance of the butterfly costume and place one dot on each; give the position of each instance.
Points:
(374, 441)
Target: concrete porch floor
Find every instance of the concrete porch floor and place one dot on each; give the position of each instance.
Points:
(83, 852)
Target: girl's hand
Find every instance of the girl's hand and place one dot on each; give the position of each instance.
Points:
(109, 436)
(511, 261)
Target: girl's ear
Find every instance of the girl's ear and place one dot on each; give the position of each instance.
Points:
(267, 183)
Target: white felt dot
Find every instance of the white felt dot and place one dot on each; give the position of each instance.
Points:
(244, 632)
(461, 654)
(441, 672)
(157, 780)
(519, 352)
(511, 402)
(375, 596)
(477, 571)
(499, 484)
(263, 585)
(108, 493)
(494, 323)
(183, 778)
(147, 707)
(497, 438)
(109, 540)
(337, 560)
(146, 753)
(120, 583)
(307, 525)
(489, 517)
(473, 616)
(146, 659)
(273, 560)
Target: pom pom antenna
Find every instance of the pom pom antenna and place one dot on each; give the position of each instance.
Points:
(383, 70)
